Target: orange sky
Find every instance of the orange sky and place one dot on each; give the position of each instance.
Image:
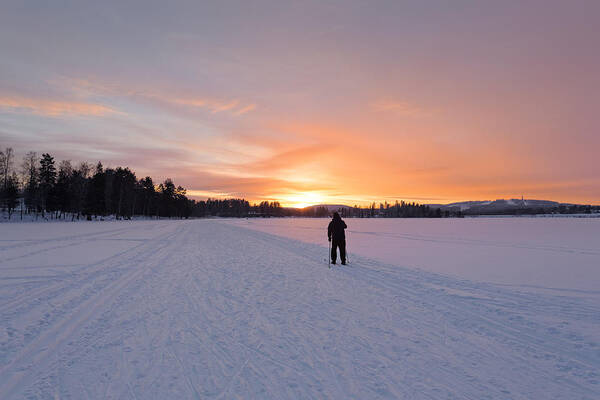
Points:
(314, 103)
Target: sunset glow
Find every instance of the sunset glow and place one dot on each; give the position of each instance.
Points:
(310, 103)
(300, 200)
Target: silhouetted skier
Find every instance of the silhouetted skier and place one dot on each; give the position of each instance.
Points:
(337, 237)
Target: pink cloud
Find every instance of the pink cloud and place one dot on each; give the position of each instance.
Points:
(53, 108)
(88, 87)
(246, 109)
(399, 107)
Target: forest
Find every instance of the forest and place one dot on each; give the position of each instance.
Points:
(44, 188)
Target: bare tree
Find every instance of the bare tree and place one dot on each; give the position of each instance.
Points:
(79, 187)
(30, 178)
(11, 194)
(6, 162)
(85, 169)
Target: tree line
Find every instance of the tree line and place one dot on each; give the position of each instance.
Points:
(61, 190)
(563, 209)
(400, 209)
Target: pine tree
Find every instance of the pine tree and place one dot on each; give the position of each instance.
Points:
(11, 193)
(79, 187)
(167, 198)
(47, 176)
(63, 189)
(148, 195)
(123, 191)
(30, 174)
(95, 196)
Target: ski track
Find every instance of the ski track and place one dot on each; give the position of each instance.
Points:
(204, 309)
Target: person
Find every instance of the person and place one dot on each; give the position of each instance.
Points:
(337, 237)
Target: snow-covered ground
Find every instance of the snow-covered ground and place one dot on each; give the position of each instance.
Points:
(211, 309)
(533, 253)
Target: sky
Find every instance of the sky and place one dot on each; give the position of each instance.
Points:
(313, 102)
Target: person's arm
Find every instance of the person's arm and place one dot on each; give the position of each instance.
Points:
(345, 226)
(329, 228)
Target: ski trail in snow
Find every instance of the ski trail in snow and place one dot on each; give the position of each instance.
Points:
(204, 309)
(39, 352)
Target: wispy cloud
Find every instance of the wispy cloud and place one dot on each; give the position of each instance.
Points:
(289, 159)
(246, 109)
(53, 108)
(214, 105)
(399, 107)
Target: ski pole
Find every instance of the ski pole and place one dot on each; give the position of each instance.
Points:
(347, 254)
(329, 251)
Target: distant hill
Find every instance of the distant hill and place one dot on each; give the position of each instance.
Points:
(488, 206)
(485, 206)
(515, 207)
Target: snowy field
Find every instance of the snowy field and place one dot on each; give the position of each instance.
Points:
(427, 309)
(533, 253)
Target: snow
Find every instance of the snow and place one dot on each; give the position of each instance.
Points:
(211, 309)
(548, 253)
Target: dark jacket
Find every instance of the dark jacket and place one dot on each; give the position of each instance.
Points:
(336, 228)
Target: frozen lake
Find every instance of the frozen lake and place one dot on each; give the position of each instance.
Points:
(211, 309)
(535, 253)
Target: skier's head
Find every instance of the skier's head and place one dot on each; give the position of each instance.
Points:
(336, 215)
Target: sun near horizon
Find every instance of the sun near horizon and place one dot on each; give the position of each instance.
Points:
(302, 200)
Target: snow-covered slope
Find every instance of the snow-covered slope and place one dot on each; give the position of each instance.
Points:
(500, 205)
(206, 309)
